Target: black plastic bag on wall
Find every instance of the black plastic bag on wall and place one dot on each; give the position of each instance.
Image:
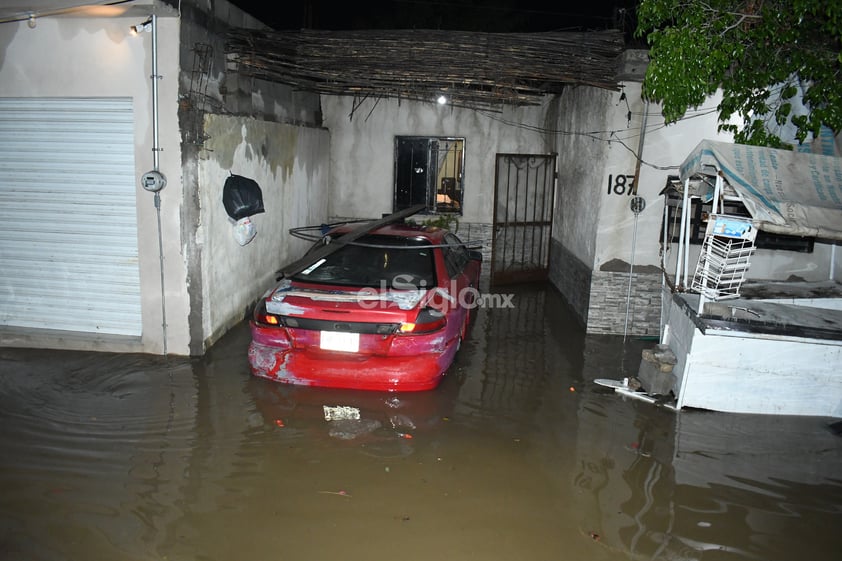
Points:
(242, 197)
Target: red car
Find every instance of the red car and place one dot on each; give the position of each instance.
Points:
(386, 311)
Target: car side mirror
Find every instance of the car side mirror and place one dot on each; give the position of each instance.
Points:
(475, 255)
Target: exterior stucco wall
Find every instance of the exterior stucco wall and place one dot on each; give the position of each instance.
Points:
(598, 240)
(363, 149)
(664, 148)
(363, 152)
(626, 242)
(597, 237)
(290, 164)
(582, 161)
(275, 140)
(98, 57)
(198, 296)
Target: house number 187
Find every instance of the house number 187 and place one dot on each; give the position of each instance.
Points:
(620, 184)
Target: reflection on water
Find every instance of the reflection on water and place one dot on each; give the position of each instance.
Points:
(518, 455)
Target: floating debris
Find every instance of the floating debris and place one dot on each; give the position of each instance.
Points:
(340, 493)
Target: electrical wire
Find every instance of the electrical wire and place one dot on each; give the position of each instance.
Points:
(608, 136)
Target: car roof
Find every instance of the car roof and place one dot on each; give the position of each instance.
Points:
(432, 234)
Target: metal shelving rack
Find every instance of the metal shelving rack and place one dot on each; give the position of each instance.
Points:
(722, 266)
(724, 259)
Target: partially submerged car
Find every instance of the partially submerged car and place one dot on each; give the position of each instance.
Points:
(386, 311)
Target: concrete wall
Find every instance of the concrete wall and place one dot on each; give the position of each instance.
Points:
(623, 239)
(209, 81)
(207, 284)
(363, 149)
(581, 162)
(270, 133)
(290, 164)
(598, 240)
(99, 57)
(597, 237)
(584, 162)
(363, 152)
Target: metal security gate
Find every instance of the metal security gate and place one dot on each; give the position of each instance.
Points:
(68, 220)
(523, 216)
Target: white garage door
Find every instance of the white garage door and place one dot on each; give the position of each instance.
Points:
(68, 222)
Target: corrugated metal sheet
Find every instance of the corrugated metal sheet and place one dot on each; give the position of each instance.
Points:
(68, 220)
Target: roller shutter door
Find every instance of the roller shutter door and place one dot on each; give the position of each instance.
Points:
(68, 217)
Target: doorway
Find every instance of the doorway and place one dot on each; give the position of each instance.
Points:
(524, 186)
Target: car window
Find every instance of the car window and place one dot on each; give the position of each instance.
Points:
(376, 261)
(455, 255)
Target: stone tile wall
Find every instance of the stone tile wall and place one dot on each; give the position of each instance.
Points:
(599, 298)
(610, 304)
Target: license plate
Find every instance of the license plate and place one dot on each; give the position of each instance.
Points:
(339, 341)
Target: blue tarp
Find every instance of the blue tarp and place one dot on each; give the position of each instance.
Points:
(785, 192)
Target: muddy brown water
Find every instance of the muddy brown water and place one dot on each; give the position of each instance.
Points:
(518, 455)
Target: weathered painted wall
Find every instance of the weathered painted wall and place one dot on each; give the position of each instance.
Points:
(625, 240)
(290, 164)
(257, 147)
(209, 81)
(363, 149)
(598, 238)
(99, 57)
(583, 163)
(199, 295)
(665, 147)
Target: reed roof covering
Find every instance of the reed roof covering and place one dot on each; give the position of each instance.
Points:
(473, 69)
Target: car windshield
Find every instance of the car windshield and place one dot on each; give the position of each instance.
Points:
(376, 261)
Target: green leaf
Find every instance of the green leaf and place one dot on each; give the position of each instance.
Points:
(768, 57)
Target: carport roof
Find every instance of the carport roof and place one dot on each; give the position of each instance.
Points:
(473, 69)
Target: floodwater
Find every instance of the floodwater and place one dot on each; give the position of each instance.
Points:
(518, 455)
